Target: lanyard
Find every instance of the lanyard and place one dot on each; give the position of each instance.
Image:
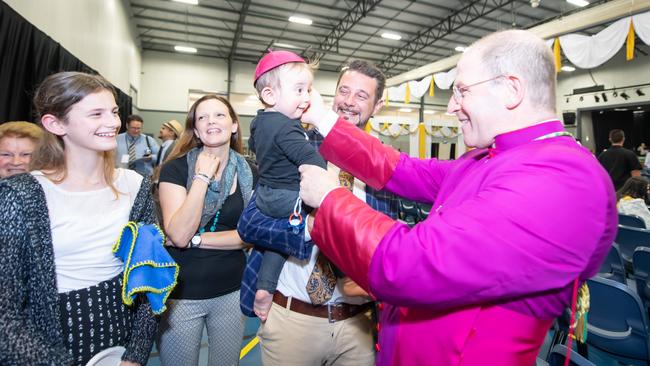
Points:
(553, 134)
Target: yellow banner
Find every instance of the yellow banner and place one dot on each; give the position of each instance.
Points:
(368, 127)
(421, 141)
(556, 53)
(431, 87)
(407, 94)
(629, 52)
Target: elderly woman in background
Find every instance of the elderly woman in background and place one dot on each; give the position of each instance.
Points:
(631, 199)
(17, 142)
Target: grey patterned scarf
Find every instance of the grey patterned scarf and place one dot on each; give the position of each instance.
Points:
(218, 191)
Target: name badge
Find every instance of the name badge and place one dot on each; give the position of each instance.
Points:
(125, 158)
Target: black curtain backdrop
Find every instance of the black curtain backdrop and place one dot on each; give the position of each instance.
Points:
(27, 56)
(635, 125)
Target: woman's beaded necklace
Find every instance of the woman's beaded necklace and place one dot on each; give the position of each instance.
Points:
(213, 227)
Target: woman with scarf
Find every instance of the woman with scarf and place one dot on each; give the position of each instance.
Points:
(204, 187)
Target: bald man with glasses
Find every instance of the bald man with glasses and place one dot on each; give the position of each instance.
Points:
(517, 224)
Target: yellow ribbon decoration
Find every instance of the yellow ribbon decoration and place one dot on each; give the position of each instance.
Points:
(421, 140)
(368, 127)
(629, 51)
(407, 94)
(556, 53)
(386, 104)
(582, 309)
(384, 129)
(431, 87)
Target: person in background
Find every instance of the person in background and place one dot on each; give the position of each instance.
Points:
(61, 299)
(135, 150)
(169, 132)
(17, 142)
(340, 332)
(632, 199)
(204, 186)
(481, 279)
(620, 163)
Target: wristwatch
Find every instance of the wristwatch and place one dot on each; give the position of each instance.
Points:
(196, 241)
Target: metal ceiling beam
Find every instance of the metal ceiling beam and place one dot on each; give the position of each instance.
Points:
(240, 28)
(178, 22)
(446, 10)
(248, 32)
(176, 32)
(216, 20)
(359, 11)
(210, 36)
(184, 14)
(575, 22)
(468, 14)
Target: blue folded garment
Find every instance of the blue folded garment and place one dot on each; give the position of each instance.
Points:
(148, 267)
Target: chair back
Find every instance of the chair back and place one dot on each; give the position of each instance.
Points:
(617, 322)
(629, 238)
(558, 355)
(613, 267)
(641, 266)
(631, 221)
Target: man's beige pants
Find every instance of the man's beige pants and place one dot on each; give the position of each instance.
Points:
(289, 338)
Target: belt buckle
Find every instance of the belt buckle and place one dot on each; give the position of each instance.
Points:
(329, 313)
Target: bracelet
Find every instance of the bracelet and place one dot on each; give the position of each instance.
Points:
(202, 177)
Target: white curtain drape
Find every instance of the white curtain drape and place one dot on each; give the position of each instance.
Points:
(587, 52)
(444, 79)
(642, 26)
(419, 88)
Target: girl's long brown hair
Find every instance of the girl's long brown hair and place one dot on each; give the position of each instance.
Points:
(56, 95)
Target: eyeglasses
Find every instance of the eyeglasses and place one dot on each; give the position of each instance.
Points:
(459, 91)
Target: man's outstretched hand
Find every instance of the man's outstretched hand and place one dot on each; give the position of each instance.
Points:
(315, 183)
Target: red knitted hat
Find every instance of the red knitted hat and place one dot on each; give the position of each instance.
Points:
(274, 59)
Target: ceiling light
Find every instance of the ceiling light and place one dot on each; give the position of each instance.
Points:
(185, 49)
(637, 112)
(429, 111)
(406, 110)
(578, 2)
(625, 96)
(596, 98)
(620, 109)
(639, 93)
(284, 45)
(568, 68)
(604, 97)
(300, 20)
(534, 3)
(393, 36)
(460, 49)
(191, 2)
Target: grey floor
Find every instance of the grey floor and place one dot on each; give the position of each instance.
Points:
(252, 358)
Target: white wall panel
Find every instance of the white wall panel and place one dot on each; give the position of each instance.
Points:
(98, 32)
